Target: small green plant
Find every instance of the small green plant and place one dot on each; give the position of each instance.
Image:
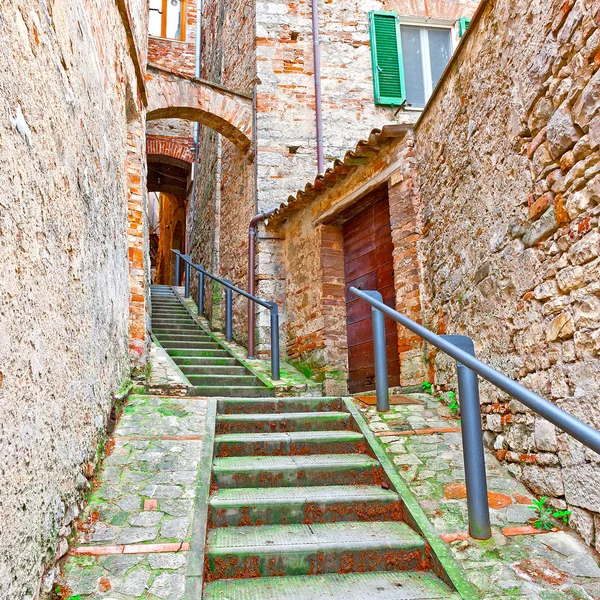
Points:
(427, 387)
(545, 514)
(453, 403)
(562, 515)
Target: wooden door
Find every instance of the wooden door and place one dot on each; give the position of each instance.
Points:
(368, 265)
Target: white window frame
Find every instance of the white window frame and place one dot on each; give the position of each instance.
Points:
(423, 23)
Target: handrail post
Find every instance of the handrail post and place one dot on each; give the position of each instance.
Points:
(177, 269)
(472, 437)
(275, 366)
(188, 272)
(380, 355)
(200, 293)
(228, 314)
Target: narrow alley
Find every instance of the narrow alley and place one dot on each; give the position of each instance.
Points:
(300, 299)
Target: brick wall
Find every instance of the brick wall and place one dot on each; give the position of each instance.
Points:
(286, 112)
(509, 162)
(177, 55)
(69, 99)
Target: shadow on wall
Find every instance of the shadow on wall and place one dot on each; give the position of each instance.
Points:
(172, 235)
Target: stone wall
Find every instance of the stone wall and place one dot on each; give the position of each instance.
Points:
(68, 98)
(509, 161)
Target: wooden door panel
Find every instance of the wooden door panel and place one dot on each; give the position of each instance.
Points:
(368, 265)
(366, 282)
(385, 278)
(362, 265)
(361, 247)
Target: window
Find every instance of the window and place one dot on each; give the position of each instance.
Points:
(167, 19)
(409, 58)
(426, 52)
(386, 57)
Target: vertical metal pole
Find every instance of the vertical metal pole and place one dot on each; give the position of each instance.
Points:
(275, 367)
(228, 314)
(188, 272)
(472, 437)
(380, 355)
(177, 269)
(200, 293)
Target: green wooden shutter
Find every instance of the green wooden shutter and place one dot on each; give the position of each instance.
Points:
(386, 55)
(463, 23)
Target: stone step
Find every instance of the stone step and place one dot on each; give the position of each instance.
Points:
(212, 369)
(172, 319)
(239, 552)
(189, 327)
(179, 345)
(272, 422)
(182, 337)
(221, 380)
(224, 392)
(288, 471)
(308, 504)
(294, 443)
(205, 361)
(191, 353)
(380, 585)
(279, 405)
(160, 315)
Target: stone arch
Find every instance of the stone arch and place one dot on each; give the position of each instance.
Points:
(171, 95)
(181, 150)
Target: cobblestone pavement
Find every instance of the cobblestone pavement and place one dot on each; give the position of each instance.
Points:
(135, 532)
(548, 566)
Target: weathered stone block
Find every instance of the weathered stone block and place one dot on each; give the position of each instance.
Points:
(583, 522)
(588, 103)
(561, 327)
(582, 486)
(545, 436)
(586, 312)
(545, 290)
(561, 133)
(544, 481)
(586, 249)
(545, 226)
(569, 278)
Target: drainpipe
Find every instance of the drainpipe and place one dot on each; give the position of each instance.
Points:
(198, 71)
(252, 275)
(318, 95)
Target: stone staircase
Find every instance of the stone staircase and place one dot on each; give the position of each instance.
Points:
(301, 508)
(209, 367)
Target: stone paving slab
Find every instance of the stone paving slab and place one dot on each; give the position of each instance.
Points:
(144, 497)
(550, 566)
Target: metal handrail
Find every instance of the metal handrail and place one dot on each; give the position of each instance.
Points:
(229, 289)
(468, 367)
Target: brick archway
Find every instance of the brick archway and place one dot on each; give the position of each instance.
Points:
(171, 95)
(180, 149)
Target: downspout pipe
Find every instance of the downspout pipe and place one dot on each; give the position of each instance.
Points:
(318, 94)
(197, 70)
(252, 274)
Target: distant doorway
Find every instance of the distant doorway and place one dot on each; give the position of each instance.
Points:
(368, 265)
(172, 236)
